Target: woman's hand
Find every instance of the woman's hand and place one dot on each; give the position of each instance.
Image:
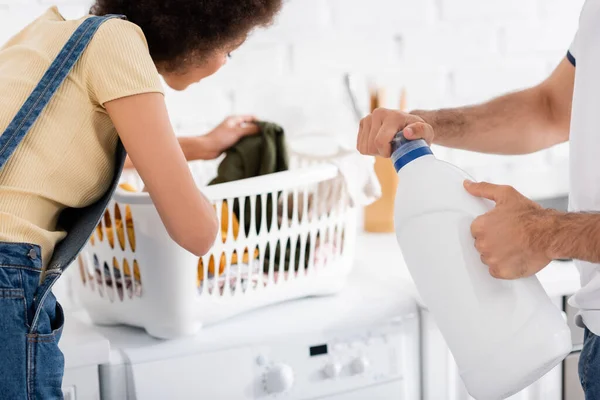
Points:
(377, 130)
(227, 134)
(217, 141)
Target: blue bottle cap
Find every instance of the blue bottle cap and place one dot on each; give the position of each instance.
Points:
(405, 151)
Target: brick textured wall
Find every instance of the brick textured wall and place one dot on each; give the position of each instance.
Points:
(444, 52)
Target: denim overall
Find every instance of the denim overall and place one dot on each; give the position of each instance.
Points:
(31, 320)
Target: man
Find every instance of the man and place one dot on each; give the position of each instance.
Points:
(518, 238)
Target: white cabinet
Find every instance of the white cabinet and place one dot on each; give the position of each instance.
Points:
(84, 350)
(442, 381)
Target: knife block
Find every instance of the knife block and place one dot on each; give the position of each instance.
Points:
(379, 216)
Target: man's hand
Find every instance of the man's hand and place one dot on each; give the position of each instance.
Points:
(377, 130)
(227, 134)
(513, 238)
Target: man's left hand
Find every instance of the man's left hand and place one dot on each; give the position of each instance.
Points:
(513, 237)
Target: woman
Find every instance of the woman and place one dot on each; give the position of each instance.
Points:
(70, 93)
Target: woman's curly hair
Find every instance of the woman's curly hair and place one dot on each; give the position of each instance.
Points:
(182, 30)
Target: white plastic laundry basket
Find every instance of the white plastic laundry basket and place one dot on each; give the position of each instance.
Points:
(294, 238)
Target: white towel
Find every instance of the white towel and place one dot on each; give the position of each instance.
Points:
(358, 174)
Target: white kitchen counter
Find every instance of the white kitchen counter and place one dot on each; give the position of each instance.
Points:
(383, 256)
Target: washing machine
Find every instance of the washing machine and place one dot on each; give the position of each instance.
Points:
(360, 344)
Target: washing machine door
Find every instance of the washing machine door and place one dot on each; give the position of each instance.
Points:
(387, 391)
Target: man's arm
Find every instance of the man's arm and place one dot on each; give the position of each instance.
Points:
(575, 235)
(517, 123)
(518, 237)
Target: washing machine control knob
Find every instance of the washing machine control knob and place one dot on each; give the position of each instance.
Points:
(279, 378)
(332, 369)
(359, 365)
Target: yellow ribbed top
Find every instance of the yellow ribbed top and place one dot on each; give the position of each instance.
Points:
(66, 159)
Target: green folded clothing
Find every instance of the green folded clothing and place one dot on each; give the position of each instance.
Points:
(255, 155)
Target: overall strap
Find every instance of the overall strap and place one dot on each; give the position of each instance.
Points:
(48, 85)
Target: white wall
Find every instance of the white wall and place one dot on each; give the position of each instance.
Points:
(445, 52)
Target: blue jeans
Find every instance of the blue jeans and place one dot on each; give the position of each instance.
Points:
(31, 322)
(589, 366)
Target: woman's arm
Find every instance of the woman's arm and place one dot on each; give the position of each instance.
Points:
(143, 125)
(214, 143)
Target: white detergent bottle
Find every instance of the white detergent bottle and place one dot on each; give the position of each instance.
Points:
(504, 335)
